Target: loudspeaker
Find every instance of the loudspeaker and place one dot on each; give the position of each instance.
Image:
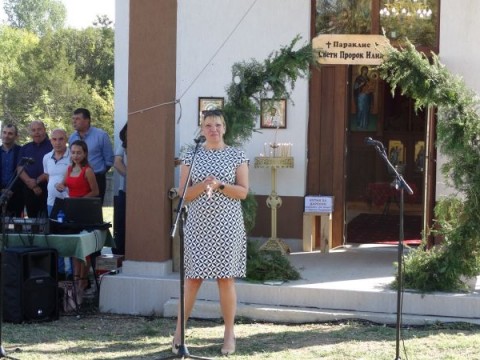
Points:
(30, 290)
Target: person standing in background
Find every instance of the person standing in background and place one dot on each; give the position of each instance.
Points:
(35, 190)
(80, 181)
(9, 159)
(100, 150)
(119, 205)
(55, 164)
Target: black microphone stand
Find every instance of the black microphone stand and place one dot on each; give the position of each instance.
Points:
(400, 184)
(4, 197)
(181, 211)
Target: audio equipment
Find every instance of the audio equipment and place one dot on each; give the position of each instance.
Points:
(30, 290)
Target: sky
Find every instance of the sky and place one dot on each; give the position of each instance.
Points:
(81, 13)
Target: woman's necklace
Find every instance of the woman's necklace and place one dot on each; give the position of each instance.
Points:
(75, 171)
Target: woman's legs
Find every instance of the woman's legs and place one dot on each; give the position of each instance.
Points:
(191, 289)
(80, 272)
(228, 306)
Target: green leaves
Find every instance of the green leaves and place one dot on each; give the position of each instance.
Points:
(36, 16)
(458, 137)
(48, 77)
(253, 80)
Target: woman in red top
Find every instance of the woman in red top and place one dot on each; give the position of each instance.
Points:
(81, 182)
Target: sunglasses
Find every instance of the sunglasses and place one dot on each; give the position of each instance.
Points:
(215, 112)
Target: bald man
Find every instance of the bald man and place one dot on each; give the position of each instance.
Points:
(35, 192)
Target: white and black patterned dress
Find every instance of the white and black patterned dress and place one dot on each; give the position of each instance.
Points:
(215, 238)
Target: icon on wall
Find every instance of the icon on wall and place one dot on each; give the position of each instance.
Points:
(273, 114)
(209, 103)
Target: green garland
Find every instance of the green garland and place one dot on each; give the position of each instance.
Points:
(252, 81)
(457, 218)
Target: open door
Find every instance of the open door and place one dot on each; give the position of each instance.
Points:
(372, 203)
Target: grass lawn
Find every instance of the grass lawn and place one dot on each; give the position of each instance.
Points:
(94, 336)
(101, 336)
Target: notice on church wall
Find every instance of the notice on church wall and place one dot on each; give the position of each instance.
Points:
(350, 49)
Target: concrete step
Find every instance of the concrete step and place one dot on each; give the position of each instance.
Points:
(286, 314)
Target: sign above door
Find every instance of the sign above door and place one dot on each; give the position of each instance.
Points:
(337, 49)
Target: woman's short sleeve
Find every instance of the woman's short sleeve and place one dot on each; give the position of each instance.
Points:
(242, 158)
(187, 157)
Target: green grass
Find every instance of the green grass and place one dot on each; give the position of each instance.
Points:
(100, 336)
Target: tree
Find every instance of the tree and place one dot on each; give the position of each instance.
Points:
(37, 16)
(14, 43)
(48, 77)
(457, 217)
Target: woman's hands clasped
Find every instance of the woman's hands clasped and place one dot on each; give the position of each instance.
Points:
(210, 183)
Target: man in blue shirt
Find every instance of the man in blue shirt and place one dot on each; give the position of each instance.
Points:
(9, 159)
(100, 150)
(35, 190)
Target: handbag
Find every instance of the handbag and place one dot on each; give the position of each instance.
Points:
(69, 298)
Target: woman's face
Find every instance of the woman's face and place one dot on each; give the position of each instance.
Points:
(213, 128)
(77, 154)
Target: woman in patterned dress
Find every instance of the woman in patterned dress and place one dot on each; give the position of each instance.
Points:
(215, 239)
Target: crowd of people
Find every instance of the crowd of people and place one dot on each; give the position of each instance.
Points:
(34, 175)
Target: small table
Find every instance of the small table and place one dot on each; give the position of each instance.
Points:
(309, 231)
(382, 193)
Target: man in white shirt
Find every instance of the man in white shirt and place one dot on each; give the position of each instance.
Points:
(55, 164)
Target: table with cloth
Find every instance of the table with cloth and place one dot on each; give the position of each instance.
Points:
(383, 193)
(68, 245)
(78, 245)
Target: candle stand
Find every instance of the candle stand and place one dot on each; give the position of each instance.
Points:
(274, 201)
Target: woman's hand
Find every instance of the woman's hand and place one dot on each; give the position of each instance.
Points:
(211, 183)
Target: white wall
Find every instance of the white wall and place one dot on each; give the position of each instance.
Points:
(204, 27)
(460, 52)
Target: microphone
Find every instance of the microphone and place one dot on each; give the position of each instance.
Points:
(200, 140)
(370, 141)
(28, 160)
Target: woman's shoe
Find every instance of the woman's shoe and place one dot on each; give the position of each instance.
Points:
(175, 347)
(229, 350)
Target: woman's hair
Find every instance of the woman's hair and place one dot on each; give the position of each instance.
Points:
(84, 147)
(123, 136)
(216, 113)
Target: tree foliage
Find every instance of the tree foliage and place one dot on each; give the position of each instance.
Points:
(36, 16)
(457, 218)
(47, 77)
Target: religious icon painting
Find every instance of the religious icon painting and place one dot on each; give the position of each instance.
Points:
(209, 103)
(273, 114)
(364, 107)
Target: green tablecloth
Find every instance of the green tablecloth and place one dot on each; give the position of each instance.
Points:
(75, 245)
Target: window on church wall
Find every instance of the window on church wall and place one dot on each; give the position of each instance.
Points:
(343, 17)
(416, 20)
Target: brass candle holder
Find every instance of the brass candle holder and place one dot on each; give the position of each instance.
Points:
(274, 201)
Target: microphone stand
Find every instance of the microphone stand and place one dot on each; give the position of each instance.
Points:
(180, 217)
(400, 184)
(4, 197)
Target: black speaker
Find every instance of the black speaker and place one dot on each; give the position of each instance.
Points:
(30, 290)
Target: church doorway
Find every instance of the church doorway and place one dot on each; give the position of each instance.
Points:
(372, 202)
